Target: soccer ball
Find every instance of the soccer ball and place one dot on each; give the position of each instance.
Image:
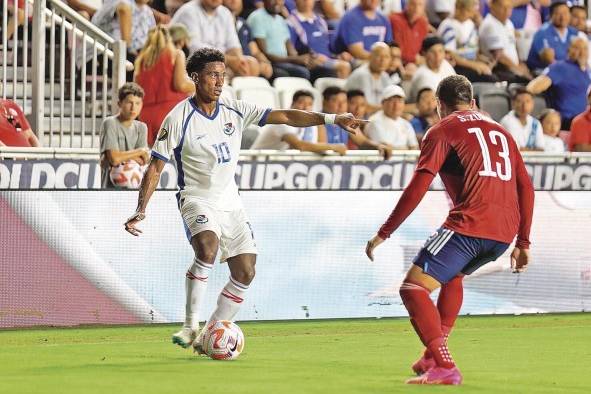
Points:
(127, 175)
(223, 340)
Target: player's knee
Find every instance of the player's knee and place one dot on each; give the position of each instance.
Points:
(245, 275)
(207, 255)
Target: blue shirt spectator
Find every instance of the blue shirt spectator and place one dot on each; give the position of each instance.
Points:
(336, 135)
(309, 34)
(357, 28)
(272, 28)
(551, 42)
(568, 93)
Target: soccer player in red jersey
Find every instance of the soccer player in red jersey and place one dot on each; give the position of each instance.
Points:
(483, 173)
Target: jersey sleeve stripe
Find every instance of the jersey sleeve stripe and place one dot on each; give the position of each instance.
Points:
(159, 156)
(233, 109)
(263, 120)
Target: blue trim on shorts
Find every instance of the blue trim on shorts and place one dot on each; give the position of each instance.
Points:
(447, 253)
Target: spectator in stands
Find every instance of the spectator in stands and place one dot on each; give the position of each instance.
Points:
(172, 6)
(460, 37)
(335, 101)
(580, 130)
(247, 42)
(85, 8)
(360, 28)
(16, 19)
(397, 71)
(372, 78)
(434, 70)
(552, 40)
(357, 104)
(271, 33)
(438, 10)
(124, 138)
(212, 25)
(427, 112)
(127, 20)
(578, 19)
(306, 139)
(309, 34)
(409, 29)
(567, 82)
(180, 37)
(160, 71)
(387, 126)
(525, 129)
(14, 127)
(497, 41)
(550, 120)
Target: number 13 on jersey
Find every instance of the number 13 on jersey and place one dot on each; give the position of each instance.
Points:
(502, 170)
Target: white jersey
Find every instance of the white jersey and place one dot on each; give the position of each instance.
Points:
(206, 148)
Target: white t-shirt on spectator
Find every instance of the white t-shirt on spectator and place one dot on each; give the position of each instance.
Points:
(397, 132)
(495, 35)
(424, 77)
(532, 131)
(271, 136)
(553, 144)
(460, 37)
(215, 31)
(362, 79)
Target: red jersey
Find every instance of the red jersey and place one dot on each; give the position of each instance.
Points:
(478, 162)
(13, 124)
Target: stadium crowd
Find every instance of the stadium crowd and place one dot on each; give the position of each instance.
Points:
(381, 60)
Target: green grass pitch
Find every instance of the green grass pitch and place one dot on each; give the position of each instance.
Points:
(503, 354)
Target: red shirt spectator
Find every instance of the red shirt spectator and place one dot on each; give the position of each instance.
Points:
(580, 132)
(409, 29)
(14, 127)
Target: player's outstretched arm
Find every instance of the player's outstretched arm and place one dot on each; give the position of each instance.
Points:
(521, 257)
(147, 187)
(411, 197)
(298, 118)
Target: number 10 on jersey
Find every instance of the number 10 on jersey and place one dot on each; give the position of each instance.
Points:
(223, 152)
(503, 171)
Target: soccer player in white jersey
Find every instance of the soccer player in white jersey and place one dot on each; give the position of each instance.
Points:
(204, 133)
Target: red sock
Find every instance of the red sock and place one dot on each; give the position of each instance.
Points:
(426, 321)
(449, 303)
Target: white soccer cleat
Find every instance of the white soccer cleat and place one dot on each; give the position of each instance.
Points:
(185, 337)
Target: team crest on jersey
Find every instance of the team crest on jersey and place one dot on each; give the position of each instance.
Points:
(163, 134)
(201, 219)
(229, 128)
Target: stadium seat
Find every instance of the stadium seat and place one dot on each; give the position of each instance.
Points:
(539, 105)
(323, 83)
(265, 96)
(228, 91)
(485, 87)
(249, 136)
(294, 83)
(497, 104)
(286, 95)
(249, 82)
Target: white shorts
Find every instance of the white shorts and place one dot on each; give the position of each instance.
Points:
(231, 227)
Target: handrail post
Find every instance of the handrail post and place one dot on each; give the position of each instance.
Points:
(38, 69)
(118, 77)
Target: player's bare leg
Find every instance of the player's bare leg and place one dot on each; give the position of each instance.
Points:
(205, 245)
(242, 272)
(449, 303)
(426, 321)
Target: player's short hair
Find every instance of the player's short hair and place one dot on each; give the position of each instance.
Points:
(519, 91)
(201, 57)
(454, 90)
(301, 93)
(130, 88)
(331, 91)
(355, 93)
(420, 93)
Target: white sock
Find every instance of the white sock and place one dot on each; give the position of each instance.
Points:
(195, 285)
(229, 301)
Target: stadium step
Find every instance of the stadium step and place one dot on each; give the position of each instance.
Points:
(20, 73)
(76, 141)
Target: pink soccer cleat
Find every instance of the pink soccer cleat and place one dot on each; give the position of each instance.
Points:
(438, 375)
(423, 364)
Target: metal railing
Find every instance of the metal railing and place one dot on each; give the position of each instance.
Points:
(76, 71)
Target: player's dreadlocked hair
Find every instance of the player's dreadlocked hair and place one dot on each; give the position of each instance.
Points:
(455, 90)
(201, 57)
